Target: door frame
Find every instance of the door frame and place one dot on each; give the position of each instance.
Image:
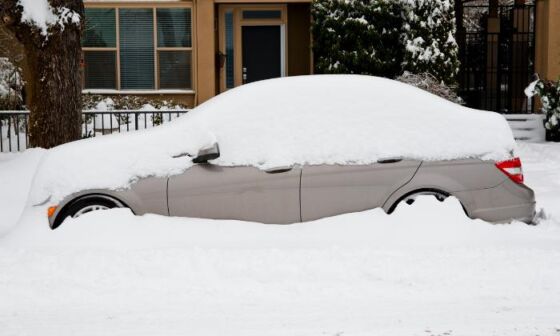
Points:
(238, 23)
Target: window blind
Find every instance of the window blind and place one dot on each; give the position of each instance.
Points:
(136, 49)
(100, 70)
(175, 69)
(174, 27)
(100, 29)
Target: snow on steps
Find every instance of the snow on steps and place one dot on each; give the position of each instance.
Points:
(527, 127)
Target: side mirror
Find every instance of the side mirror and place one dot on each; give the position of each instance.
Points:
(207, 154)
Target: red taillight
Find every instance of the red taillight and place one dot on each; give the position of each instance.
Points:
(512, 168)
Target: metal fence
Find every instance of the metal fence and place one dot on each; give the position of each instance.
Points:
(497, 53)
(14, 125)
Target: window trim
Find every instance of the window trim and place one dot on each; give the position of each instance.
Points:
(153, 6)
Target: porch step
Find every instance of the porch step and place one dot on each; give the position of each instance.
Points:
(527, 127)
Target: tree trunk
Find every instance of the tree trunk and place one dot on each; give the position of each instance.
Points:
(53, 75)
(55, 99)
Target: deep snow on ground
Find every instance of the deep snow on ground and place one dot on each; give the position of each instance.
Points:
(426, 270)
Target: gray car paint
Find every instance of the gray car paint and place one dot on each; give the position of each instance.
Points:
(328, 190)
(289, 195)
(243, 193)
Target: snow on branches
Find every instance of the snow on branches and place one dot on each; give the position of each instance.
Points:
(41, 14)
(386, 37)
(429, 35)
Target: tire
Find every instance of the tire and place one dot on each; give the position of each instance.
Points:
(88, 204)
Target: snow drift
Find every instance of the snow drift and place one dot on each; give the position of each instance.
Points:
(327, 119)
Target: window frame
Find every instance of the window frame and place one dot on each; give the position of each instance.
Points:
(156, 48)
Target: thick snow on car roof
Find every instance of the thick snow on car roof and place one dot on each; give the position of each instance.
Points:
(325, 119)
(341, 119)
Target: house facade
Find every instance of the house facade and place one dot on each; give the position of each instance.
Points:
(191, 50)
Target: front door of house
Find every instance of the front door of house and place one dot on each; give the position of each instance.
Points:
(261, 53)
(252, 43)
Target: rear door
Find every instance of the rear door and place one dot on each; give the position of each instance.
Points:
(242, 193)
(328, 190)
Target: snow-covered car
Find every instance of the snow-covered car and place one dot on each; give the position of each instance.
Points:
(296, 149)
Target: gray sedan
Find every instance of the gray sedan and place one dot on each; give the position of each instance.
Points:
(492, 191)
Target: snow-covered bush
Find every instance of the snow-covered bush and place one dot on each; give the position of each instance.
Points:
(11, 86)
(549, 93)
(429, 34)
(428, 82)
(94, 102)
(153, 107)
(385, 37)
(357, 36)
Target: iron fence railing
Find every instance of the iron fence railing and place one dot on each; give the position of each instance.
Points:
(14, 125)
(497, 54)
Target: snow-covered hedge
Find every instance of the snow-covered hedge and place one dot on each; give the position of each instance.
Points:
(429, 34)
(549, 93)
(11, 85)
(128, 102)
(386, 37)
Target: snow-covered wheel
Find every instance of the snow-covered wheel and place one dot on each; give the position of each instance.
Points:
(89, 204)
(410, 199)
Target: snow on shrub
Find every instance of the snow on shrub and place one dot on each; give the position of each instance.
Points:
(429, 34)
(128, 102)
(11, 85)
(428, 82)
(357, 37)
(386, 37)
(328, 119)
(549, 93)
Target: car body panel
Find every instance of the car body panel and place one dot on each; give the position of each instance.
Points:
(147, 195)
(328, 190)
(241, 193)
(293, 194)
(483, 190)
(499, 204)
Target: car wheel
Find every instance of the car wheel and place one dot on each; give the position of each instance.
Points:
(87, 205)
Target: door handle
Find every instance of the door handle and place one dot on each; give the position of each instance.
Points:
(390, 160)
(279, 170)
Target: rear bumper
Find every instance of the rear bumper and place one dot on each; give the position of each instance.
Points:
(503, 203)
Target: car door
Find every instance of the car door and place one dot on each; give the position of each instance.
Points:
(328, 190)
(242, 193)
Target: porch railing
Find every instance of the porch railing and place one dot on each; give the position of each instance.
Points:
(14, 125)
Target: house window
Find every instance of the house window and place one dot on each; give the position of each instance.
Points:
(138, 48)
(100, 49)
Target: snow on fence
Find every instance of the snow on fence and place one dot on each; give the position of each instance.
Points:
(527, 127)
(14, 125)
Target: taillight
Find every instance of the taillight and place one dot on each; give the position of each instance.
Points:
(512, 168)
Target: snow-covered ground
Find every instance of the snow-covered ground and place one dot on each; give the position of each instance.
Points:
(426, 270)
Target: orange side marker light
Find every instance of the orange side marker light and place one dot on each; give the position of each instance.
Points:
(51, 211)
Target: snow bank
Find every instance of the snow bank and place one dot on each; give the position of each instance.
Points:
(425, 270)
(16, 174)
(329, 119)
